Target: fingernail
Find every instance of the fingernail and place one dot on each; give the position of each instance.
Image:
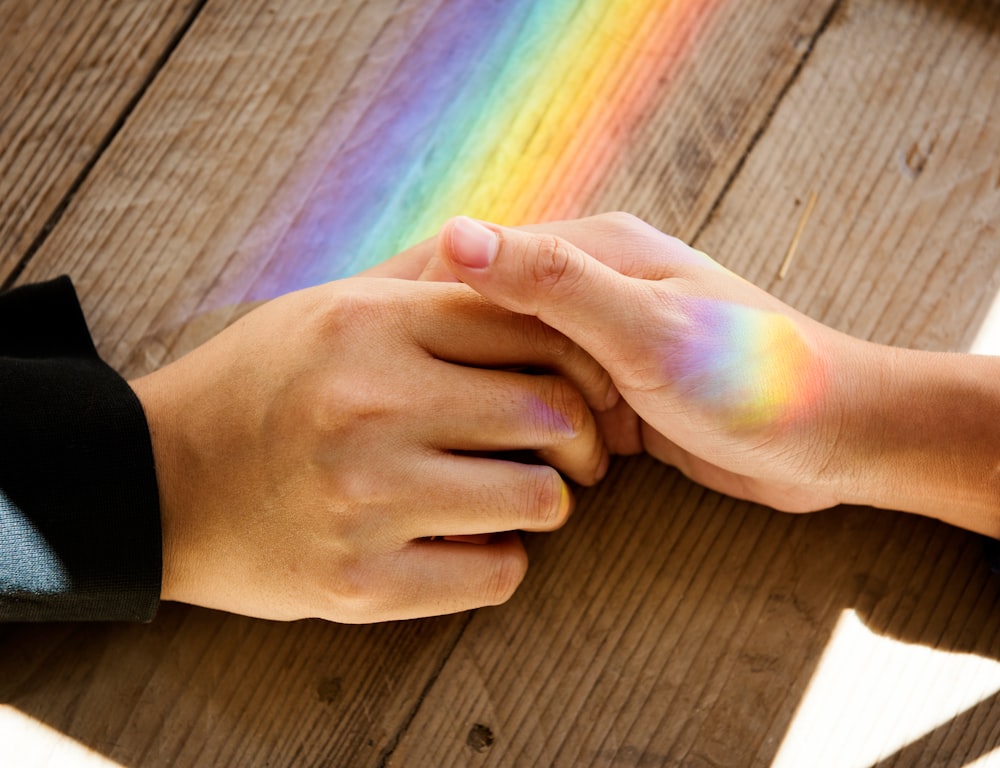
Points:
(565, 501)
(472, 244)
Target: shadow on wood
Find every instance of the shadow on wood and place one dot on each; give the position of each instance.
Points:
(202, 688)
(667, 625)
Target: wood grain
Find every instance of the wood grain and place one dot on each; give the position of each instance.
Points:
(250, 99)
(896, 130)
(69, 72)
(666, 625)
(164, 212)
(203, 688)
(683, 158)
(669, 626)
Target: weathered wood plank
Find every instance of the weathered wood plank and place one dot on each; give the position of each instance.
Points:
(666, 622)
(896, 133)
(68, 73)
(237, 104)
(250, 102)
(682, 159)
(163, 213)
(202, 688)
(669, 626)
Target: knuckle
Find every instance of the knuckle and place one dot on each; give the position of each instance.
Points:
(637, 241)
(355, 311)
(558, 353)
(349, 311)
(569, 412)
(622, 220)
(552, 264)
(594, 382)
(506, 575)
(549, 344)
(352, 591)
(355, 510)
(562, 347)
(544, 499)
(328, 408)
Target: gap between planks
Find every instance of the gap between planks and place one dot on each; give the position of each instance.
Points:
(60, 209)
(831, 14)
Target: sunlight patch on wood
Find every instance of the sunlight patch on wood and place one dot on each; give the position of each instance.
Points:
(987, 341)
(36, 744)
(872, 696)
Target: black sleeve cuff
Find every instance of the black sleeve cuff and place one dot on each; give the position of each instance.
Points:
(79, 507)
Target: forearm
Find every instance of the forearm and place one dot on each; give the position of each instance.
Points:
(923, 435)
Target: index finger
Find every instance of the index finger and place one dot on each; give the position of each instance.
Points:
(463, 327)
(408, 264)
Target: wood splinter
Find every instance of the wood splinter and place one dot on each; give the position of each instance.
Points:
(798, 234)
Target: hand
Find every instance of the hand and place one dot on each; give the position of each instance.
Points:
(307, 454)
(735, 388)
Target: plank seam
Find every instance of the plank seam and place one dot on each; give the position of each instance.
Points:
(766, 122)
(56, 216)
(386, 756)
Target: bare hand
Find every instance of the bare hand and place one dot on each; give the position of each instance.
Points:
(338, 451)
(731, 385)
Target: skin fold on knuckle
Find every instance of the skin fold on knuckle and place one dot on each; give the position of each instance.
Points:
(363, 309)
(551, 348)
(574, 446)
(594, 382)
(555, 352)
(566, 415)
(622, 222)
(340, 412)
(353, 591)
(624, 232)
(543, 507)
(558, 352)
(551, 413)
(550, 265)
(504, 577)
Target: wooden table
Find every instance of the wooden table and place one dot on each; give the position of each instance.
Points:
(178, 157)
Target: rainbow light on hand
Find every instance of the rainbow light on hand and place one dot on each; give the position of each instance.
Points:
(511, 111)
(749, 367)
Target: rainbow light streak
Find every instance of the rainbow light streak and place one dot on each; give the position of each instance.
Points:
(750, 367)
(510, 111)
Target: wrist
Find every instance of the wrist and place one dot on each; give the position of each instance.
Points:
(149, 390)
(920, 432)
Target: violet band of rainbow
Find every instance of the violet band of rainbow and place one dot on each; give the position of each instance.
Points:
(510, 112)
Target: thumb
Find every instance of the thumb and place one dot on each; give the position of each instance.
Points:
(545, 276)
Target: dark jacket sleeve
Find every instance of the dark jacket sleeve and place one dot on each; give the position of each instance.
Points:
(79, 508)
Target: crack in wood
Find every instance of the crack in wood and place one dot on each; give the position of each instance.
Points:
(828, 19)
(390, 748)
